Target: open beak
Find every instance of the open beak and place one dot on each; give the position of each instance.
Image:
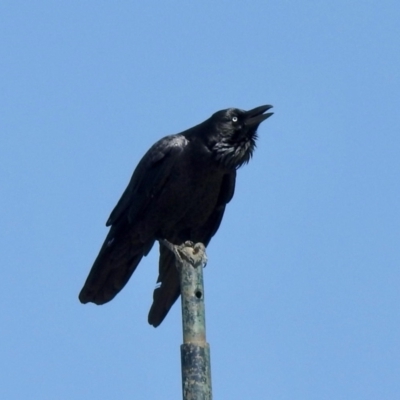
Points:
(255, 116)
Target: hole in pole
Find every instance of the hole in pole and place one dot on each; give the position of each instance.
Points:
(198, 294)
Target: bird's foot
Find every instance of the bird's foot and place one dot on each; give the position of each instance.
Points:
(194, 253)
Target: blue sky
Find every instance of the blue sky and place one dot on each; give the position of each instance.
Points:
(302, 285)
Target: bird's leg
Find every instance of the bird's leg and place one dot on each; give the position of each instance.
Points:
(172, 247)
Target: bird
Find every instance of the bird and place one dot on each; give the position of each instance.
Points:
(178, 192)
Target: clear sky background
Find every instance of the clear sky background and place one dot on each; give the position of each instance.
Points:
(302, 284)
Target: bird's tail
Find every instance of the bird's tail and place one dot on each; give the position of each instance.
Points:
(168, 289)
(115, 264)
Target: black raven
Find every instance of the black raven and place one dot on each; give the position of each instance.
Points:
(178, 192)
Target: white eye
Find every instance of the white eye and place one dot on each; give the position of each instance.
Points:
(234, 119)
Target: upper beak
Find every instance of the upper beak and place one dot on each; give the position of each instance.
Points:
(255, 116)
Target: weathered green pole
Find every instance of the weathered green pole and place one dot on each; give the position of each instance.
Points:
(195, 351)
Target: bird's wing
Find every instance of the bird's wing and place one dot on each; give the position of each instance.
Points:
(168, 288)
(149, 177)
(123, 249)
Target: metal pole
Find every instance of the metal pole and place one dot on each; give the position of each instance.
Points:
(195, 351)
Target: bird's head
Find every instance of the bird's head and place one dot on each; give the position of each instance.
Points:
(234, 134)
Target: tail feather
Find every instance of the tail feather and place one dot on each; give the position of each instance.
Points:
(168, 292)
